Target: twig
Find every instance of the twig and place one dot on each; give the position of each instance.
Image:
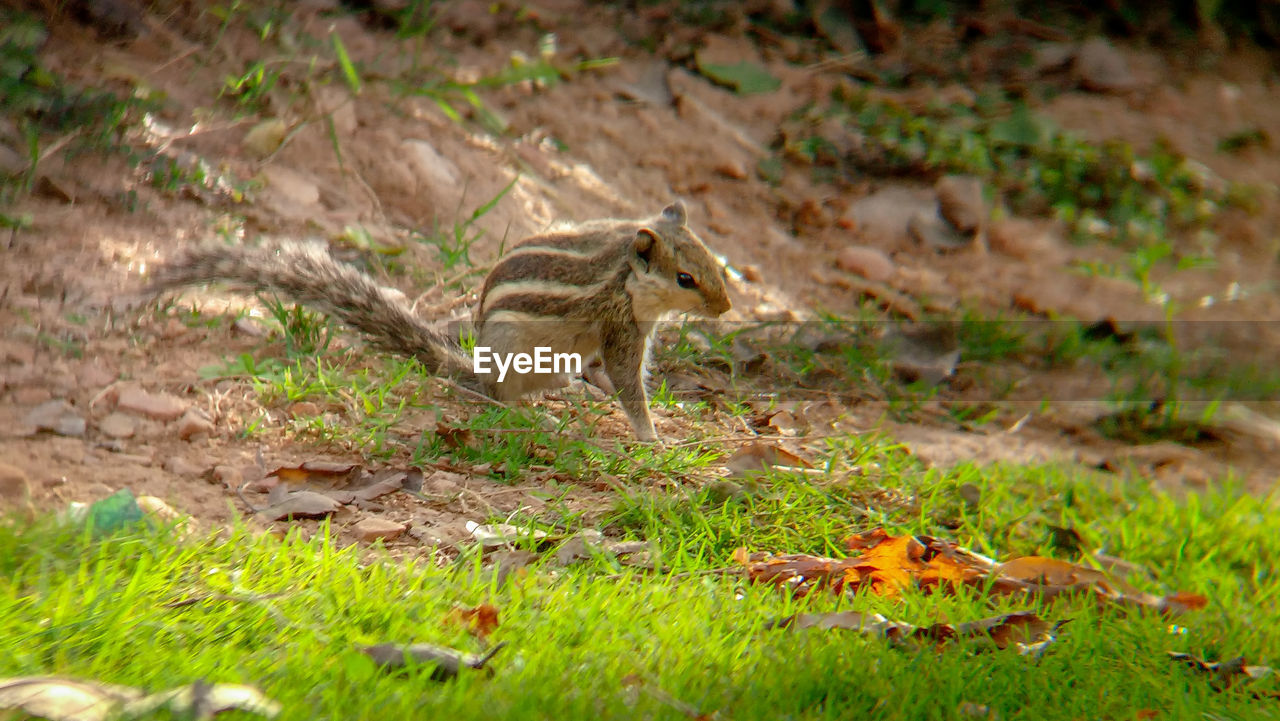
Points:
(245, 501)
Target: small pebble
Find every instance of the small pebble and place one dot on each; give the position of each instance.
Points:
(369, 530)
(870, 263)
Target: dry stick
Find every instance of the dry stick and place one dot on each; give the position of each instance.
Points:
(54, 147)
(240, 492)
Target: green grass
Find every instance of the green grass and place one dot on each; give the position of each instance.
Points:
(95, 609)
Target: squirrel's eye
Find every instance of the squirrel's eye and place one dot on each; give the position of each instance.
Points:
(686, 281)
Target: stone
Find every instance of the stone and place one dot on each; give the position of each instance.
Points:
(881, 218)
(731, 168)
(248, 327)
(1026, 240)
(871, 263)
(960, 202)
(434, 171)
(931, 231)
(368, 530)
(1100, 67)
(193, 423)
(1052, 57)
(31, 395)
(57, 417)
(289, 193)
(341, 108)
(118, 425)
(159, 406)
(179, 466)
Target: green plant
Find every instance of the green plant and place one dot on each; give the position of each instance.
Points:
(1106, 191)
(252, 88)
(306, 333)
(42, 104)
(545, 70)
(189, 175)
(454, 247)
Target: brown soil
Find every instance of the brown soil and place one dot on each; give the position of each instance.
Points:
(621, 141)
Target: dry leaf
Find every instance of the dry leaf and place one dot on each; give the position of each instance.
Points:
(381, 487)
(1041, 570)
(1024, 631)
(454, 437)
(313, 471)
(888, 565)
(579, 548)
(754, 457)
(1226, 673)
(480, 620)
(300, 504)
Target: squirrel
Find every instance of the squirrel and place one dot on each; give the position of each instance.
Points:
(597, 289)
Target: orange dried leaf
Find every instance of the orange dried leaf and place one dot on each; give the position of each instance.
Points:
(481, 620)
(943, 569)
(892, 564)
(1184, 601)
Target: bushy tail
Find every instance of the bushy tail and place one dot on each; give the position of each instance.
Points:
(306, 274)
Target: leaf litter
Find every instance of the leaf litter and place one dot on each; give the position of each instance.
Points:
(1225, 674)
(337, 485)
(480, 620)
(889, 565)
(753, 459)
(1024, 631)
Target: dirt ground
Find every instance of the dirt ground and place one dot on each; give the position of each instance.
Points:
(620, 141)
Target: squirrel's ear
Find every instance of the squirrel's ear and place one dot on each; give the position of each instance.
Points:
(675, 213)
(644, 245)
